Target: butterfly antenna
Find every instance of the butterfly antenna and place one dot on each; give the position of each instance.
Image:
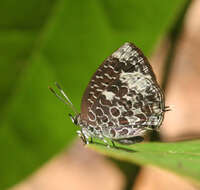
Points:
(58, 96)
(68, 102)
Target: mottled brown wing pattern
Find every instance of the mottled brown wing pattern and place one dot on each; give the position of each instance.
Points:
(123, 97)
(127, 112)
(104, 75)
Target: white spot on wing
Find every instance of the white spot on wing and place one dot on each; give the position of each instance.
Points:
(99, 77)
(108, 95)
(89, 100)
(99, 90)
(95, 85)
(104, 84)
(141, 60)
(127, 97)
(125, 53)
(135, 80)
(110, 66)
(121, 51)
(108, 76)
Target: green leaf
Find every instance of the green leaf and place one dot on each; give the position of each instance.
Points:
(15, 48)
(182, 158)
(24, 15)
(65, 43)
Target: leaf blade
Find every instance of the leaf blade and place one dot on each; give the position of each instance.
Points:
(182, 158)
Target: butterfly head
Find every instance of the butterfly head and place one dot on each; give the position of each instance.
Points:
(75, 119)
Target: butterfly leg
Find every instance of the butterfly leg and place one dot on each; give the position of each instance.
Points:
(129, 141)
(83, 137)
(79, 133)
(113, 144)
(91, 140)
(106, 142)
(100, 136)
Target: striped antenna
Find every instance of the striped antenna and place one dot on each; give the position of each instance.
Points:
(65, 100)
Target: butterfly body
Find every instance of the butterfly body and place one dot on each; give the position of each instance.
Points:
(123, 99)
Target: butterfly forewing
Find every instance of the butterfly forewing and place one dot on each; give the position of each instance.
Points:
(101, 79)
(123, 98)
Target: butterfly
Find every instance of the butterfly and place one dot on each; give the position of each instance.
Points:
(122, 100)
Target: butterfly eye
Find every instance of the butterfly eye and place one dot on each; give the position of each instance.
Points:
(75, 121)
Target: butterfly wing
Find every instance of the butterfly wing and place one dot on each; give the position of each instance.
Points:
(123, 97)
(125, 111)
(100, 80)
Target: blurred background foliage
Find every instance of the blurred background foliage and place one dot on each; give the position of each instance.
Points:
(61, 40)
